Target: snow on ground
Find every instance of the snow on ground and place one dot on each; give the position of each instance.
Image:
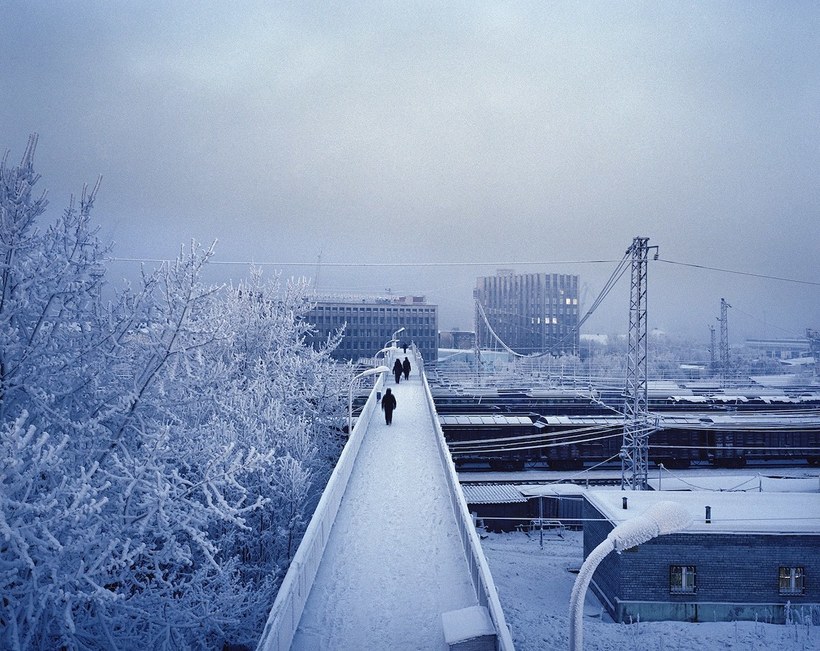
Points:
(534, 585)
(394, 561)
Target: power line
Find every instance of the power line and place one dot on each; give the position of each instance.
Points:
(316, 264)
(740, 273)
(523, 263)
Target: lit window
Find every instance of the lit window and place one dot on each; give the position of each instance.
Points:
(791, 580)
(575, 301)
(568, 301)
(682, 579)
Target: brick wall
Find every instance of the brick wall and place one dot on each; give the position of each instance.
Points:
(732, 569)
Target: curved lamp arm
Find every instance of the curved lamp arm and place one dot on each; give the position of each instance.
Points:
(659, 519)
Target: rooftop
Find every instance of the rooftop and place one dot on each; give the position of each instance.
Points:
(735, 512)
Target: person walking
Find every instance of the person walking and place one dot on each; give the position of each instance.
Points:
(398, 369)
(388, 405)
(406, 368)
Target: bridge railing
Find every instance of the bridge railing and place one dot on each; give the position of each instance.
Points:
(293, 593)
(479, 569)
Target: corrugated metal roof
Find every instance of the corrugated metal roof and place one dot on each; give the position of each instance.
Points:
(491, 494)
(478, 420)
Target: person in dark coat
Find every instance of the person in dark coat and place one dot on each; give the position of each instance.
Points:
(388, 405)
(404, 346)
(398, 369)
(406, 368)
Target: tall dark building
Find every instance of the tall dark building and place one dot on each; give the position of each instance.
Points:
(370, 323)
(530, 313)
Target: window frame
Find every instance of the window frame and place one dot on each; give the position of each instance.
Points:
(796, 579)
(683, 585)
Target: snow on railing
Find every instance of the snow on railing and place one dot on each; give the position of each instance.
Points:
(479, 569)
(293, 593)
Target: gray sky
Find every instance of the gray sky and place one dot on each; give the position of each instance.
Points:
(473, 132)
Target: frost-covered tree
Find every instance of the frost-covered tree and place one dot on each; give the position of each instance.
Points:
(160, 452)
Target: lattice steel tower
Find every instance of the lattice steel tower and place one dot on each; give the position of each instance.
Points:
(635, 449)
(724, 342)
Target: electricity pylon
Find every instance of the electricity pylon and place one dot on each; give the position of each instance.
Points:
(635, 448)
(724, 342)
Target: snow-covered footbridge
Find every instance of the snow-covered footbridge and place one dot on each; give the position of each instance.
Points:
(391, 559)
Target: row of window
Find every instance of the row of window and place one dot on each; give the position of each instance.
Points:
(335, 309)
(367, 346)
(683, 580)
(516, 302)
(380, 320)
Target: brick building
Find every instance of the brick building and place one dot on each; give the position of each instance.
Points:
(756, 553)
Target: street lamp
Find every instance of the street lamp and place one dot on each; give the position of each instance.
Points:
(659, 519)
(386, 349)
(370, 371)
(397, 332)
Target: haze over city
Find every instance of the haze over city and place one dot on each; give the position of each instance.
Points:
(411, 148)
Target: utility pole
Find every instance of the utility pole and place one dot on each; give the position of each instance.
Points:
(724, 342)
(635, 448)
(712, 353)
(476, 338)
(814, 346)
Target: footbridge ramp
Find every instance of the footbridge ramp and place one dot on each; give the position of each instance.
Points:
(391, 559)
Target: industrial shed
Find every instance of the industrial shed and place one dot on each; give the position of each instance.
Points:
(746, 556)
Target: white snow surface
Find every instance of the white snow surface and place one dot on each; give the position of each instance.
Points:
(394, 562)
(772, 513)
(534, 585)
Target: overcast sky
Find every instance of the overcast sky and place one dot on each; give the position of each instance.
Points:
(490, 133)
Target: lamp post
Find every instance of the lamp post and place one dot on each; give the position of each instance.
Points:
(384, 350)
(370, 371)
(659, 519)
(395, 334)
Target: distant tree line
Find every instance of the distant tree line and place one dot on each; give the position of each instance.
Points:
(162, 445)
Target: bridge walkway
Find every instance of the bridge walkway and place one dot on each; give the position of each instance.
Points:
(394, 561)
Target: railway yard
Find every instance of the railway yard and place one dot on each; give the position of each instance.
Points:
(512, 424)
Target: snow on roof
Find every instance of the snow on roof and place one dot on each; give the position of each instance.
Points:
(740, 513)
(689, 398)
(744, 483)
(491, 494)
(493, 419)
(725, 398)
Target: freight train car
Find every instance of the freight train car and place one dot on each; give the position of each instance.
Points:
(676, 440)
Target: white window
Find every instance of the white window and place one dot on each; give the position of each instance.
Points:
(791, 580)
(682, 579)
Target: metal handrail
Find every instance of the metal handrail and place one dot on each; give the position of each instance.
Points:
(479, 568)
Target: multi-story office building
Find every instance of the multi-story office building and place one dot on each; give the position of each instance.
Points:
(530, 313)
(369, 322)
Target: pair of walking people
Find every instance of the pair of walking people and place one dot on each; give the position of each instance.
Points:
(389, 398)
(401, 367)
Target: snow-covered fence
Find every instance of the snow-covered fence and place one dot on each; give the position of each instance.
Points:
(293, 593)
(479, 569)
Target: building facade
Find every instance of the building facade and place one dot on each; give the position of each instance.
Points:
(748, 557)
(780, 348)
(369, 323)
(531, 313)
